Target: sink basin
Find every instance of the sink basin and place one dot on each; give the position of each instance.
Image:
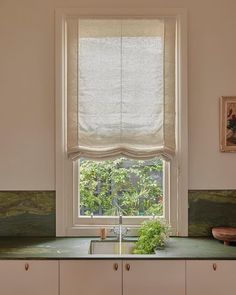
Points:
(111, 247)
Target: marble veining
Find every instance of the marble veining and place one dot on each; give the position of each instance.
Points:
(211, 208)
(33, 213)
(78, 248)
(27, 213)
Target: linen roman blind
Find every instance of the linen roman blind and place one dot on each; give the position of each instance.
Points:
(120, 87)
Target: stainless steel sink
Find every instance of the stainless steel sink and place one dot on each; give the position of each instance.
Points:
(111, 247)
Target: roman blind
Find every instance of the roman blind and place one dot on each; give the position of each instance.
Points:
(120, 87)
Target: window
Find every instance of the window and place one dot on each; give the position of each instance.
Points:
(136, 189)
(121, 187)
(120, 132)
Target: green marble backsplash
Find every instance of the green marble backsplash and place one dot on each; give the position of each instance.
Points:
(27, 213)
(33, 213)
(211, 208)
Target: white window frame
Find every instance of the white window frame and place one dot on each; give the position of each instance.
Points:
(106, 221)
(177, 201)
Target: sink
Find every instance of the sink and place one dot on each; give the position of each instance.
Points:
(111, 247)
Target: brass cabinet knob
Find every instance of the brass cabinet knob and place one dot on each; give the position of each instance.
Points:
(27, 266)
(214, 265)
(116, 266)
(127, 266)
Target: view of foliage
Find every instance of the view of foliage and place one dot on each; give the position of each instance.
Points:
(121, 186)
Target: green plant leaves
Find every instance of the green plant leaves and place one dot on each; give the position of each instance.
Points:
(121, 186)
(153, 234)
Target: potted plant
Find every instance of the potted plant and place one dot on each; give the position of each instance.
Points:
(152, 236)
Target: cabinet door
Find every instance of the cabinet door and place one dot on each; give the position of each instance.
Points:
(90, 277)
(211, 277)
(153, 277)
(28, 277)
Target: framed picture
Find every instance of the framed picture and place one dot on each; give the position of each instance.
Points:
(228, 123)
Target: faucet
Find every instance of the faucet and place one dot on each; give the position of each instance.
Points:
(120, 219)
(120, 231)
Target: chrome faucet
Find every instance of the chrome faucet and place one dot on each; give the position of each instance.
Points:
(120, 231)
(120, 219)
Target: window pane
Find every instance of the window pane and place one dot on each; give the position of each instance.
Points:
(122, 186)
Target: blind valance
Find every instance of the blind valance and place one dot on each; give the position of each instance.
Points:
(120, 87)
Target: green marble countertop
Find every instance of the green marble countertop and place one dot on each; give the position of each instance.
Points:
(78, 248)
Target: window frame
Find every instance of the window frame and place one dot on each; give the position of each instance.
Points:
(106, 221)
(177, 201)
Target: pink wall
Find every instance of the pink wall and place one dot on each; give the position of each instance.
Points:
(27, 131)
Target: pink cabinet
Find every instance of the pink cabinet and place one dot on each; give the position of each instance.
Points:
(28, 277)
(210, 277)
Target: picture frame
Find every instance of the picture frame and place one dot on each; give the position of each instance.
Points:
(228, 124)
